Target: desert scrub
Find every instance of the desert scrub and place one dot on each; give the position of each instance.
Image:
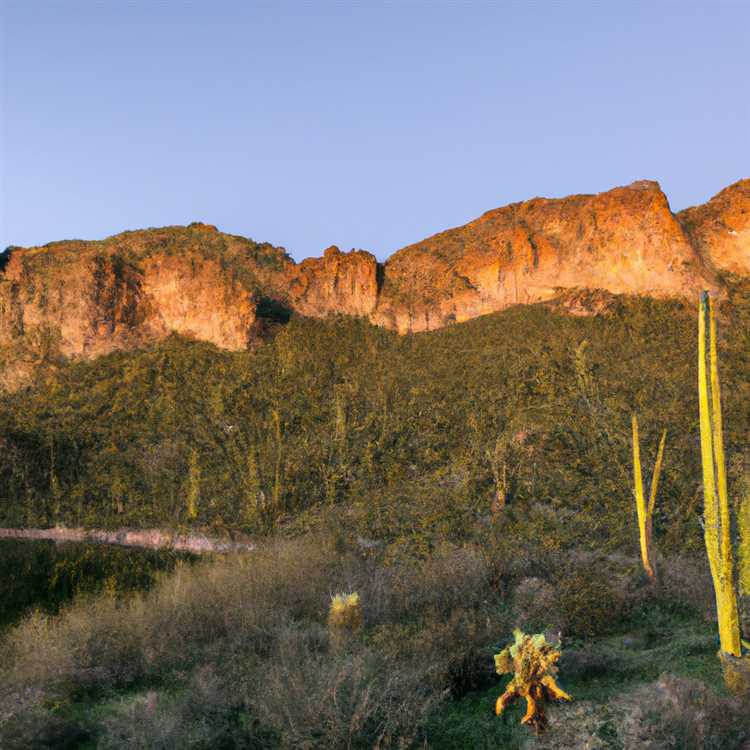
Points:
(247, 637)
(420, 420)
(532, 662)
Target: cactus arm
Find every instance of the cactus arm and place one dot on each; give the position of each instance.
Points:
(657, 474)
(531, 709)
(743, 538)
(503, 701)
(554, 689)
(729, 622)
(640, 502)
(710, 510)
(717, 428)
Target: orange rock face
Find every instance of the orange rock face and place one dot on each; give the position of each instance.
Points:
(720, 229)
(197, 300)
(625, 241)
(345, 283)
(82, 299)
(92, 298)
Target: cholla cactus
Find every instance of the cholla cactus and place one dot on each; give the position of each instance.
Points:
(532, 661)
(344, 617)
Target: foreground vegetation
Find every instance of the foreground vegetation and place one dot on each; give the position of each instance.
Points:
(238, 654)
(457, 485)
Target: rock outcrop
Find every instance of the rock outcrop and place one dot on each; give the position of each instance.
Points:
(81, 299)
(345, 283)
(720, 229)
(625, 241)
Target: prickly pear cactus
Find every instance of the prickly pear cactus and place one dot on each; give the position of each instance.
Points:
(532, 661)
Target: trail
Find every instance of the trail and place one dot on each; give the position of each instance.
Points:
(147, 538)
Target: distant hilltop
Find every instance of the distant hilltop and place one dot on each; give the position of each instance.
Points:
(80, 299)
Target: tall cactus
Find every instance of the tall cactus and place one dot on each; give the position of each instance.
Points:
(646, 512)
(716, 516)
(743, 534)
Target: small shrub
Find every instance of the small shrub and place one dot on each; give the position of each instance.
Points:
(336, 701)
(536, 605)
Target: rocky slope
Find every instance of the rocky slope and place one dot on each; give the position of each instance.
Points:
(82, 299)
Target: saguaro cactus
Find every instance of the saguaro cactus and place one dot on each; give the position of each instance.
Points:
(646, 512)
(716, 515)
(743, 528)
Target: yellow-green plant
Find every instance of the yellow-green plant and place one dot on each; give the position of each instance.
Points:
(646, 512)
(344, 617)
(276, 497)
(193, 489)
(533, 663)
(743, 535)
(716, 515)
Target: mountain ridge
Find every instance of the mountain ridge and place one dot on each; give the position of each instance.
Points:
(80, 299)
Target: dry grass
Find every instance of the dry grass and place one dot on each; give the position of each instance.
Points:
(256, 625)
(236, 653)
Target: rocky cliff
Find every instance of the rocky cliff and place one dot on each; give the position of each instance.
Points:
(82, 299)
(719, 230)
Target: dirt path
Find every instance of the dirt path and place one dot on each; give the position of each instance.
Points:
(149, 538)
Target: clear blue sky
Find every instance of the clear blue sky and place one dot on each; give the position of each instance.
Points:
(361, 124)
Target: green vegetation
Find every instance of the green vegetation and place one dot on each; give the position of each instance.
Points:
(463, 482)
(410, 438)
(46, 576)
(238, 654)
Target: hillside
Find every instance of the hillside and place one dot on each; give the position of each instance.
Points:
(77, 299)
(402, 437)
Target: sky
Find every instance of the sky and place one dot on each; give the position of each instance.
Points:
(361, 124)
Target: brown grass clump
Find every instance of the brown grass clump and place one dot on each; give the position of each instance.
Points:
(674, 713)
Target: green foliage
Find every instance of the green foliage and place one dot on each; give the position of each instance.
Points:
(408, 439)
(46, 576)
